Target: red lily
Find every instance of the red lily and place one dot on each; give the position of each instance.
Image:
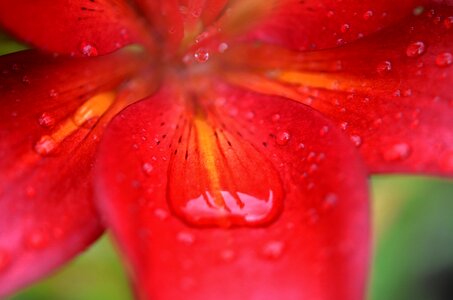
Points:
(242, 174)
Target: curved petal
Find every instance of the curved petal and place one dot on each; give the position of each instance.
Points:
(81, 28)
(48, 134)
(314, 24)
(187, 189)
(391, 92)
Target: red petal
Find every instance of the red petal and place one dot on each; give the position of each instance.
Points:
(319, 24)
(46, 210)
(391, 92)
(156, 156)
(82, 28)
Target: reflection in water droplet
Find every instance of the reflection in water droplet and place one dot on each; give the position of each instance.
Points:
(201, 55)
(45, 146)
(330, 200)
(282, 138)
(367, 15)
(161, 214)
(147, 168)
(88, 49)
(46, 120)
(357, 140)
(444, 59)
(397, 152)
(415, 49)
(273, 250)
(384, 67)
(185, 238)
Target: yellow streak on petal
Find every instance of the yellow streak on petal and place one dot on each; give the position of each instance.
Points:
(315, 80)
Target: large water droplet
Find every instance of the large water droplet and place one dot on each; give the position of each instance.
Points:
(415, 49)
(444, 59)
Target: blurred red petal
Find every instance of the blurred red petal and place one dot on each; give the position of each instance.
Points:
(391, 92)
(81, 28)
(48, 137)
(315, 248)
(315, 24)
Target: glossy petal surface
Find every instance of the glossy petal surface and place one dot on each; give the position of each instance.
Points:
(313, 24)
(317, 246)
(81, 28)
(391, 92)
(49, 110)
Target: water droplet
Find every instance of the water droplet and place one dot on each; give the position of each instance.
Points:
(273, 250)
(282, 138)
(46, 120)
(384, 67)
(26, 79)
(330, 14)
(88, 49)
(444, 59)
(357, 140)
(345, 28)
(147, 168)
(45, 145)
(201, 55)
(275, 118)
(222, 47)
(367, 15)
(161, 214)
(324, 130)
(344, 125)
(330, 200)
(227, 255)
(397, 152)
(448, 22)
(185, 238)
(418, 10)
(35, 239)
(415, 49)
(53, 93)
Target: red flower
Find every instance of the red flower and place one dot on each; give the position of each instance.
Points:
(243, 172)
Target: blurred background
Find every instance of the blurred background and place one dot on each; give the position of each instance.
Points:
(413, 245)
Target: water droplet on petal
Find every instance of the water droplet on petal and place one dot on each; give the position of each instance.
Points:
(415, 49)
(448, 22)
(384, 67)
(53, 93)
(444, 59)
(330, 200)
(345, 28)
(45, 145)
(88, 49)
(227, 255)
(222, 47)
(273, 250)
(275, 117)
(185, 238)
(161, 214)
(367, 15)
(397, 152)
(46, 120)
(282, 138)
(147, 168)
(201, 55)
(356, 139)
(324, 130)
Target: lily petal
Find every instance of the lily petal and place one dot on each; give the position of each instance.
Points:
(49, 110)
(182, 189)
(81, 28)
(314, 24)
(391, 92)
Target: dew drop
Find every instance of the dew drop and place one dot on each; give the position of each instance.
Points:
(415, 49)
(345, 28)
(227, 255)
(397, 152)
(53, 93)
(45, 145)
(330, 200)
(367, 15)
(201, 55)
(324, 130)
(384, 67)
(356, 139)
(448, 22)
(46, 120)
(444, 59)
(282, 138)
(275, 118)
(273, 250)
(222, 47)
(147, 168)
(88, 49)
(161, 214)
(185, 238)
